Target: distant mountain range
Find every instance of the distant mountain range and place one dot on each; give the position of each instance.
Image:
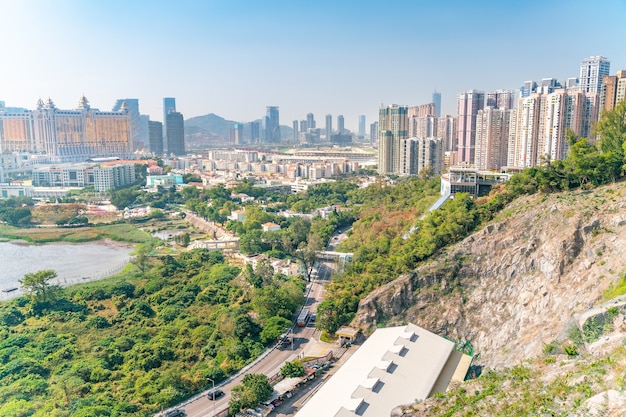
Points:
(212, 127)
(209, 123)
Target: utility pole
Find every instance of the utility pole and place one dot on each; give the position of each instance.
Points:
(213, 394)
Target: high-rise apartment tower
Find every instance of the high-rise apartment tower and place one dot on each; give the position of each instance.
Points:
(592, 70)
(437, 103)
(392, 127)
(469, 102)
(272, 125)
(175, 133)
(329, 127)
(155, 133)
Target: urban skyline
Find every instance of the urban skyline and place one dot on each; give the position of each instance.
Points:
(214, 57)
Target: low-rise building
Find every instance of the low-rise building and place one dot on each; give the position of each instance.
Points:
(152, 181)
(14, 189)
(237, 216)
(394, 366)
(102, 176)
(270, 227)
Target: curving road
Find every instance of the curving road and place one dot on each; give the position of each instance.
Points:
(270, 363)
(305, 341)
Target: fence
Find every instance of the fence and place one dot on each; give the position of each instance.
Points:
(70, 280)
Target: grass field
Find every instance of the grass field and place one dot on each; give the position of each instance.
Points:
(119, 232)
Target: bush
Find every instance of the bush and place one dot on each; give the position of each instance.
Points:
(10, 317)
(571, 350)
(292, 369)
(169, 314)
(97, 322)
(123, 288)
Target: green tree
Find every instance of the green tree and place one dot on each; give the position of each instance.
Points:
(252, 243)
(281, 300)
(19, 217)
(336, 311)
(39, 286)
(611, 129)
(240, 397)
(292, 369)
(254, 388)
(10, 316)
(265, 271)
(124, 197)
(189, 192)
(274, 327)
(142, 260)
(307, 253)
(183, 239)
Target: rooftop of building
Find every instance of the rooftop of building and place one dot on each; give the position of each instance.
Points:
(395, 366)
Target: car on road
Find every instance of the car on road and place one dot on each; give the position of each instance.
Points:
(214, 394)
(175, 413)
(313, 316)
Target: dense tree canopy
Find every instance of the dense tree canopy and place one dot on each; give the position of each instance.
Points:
(254, 388)
(16, 211)
(132, 346)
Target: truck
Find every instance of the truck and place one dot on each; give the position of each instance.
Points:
(303, 317)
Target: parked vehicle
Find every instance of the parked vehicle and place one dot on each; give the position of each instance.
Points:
(175, 413)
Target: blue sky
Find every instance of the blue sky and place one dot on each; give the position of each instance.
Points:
(235, 57)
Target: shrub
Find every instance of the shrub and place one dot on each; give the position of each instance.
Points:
(123, 288)
(571, 350)
(10, 317)
(292, 369)
(97, 322)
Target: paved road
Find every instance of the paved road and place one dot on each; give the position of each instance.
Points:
(269, 365)
(305, 344)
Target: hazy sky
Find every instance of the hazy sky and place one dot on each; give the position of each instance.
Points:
(235, 57)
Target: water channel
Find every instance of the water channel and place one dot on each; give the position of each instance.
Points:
(73, 263)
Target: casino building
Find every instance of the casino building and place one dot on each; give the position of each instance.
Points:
(66, 135)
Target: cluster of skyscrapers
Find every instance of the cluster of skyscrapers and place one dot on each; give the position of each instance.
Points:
(413, 138)
(264, 131)
(307, 132)
(492, 130)
(498, 129)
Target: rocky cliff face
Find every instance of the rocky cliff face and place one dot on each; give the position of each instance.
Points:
(514, 285)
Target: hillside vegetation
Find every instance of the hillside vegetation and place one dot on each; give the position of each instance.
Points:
(523, 286)
(395, 251)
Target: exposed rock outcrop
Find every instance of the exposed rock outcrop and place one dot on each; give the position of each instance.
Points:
(514, 285)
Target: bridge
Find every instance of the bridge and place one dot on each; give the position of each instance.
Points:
(332, 256)
(218, 244)
(341, 259)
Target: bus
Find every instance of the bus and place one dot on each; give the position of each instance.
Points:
(303, 317)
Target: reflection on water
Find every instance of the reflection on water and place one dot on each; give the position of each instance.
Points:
(167, 234)
(73, 263)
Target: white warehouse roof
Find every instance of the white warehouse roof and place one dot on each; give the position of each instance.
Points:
(395, 366)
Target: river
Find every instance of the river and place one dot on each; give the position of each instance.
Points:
(73, 263)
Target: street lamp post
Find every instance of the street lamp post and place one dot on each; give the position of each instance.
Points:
(212, 393)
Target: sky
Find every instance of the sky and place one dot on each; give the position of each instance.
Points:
(235, 57)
